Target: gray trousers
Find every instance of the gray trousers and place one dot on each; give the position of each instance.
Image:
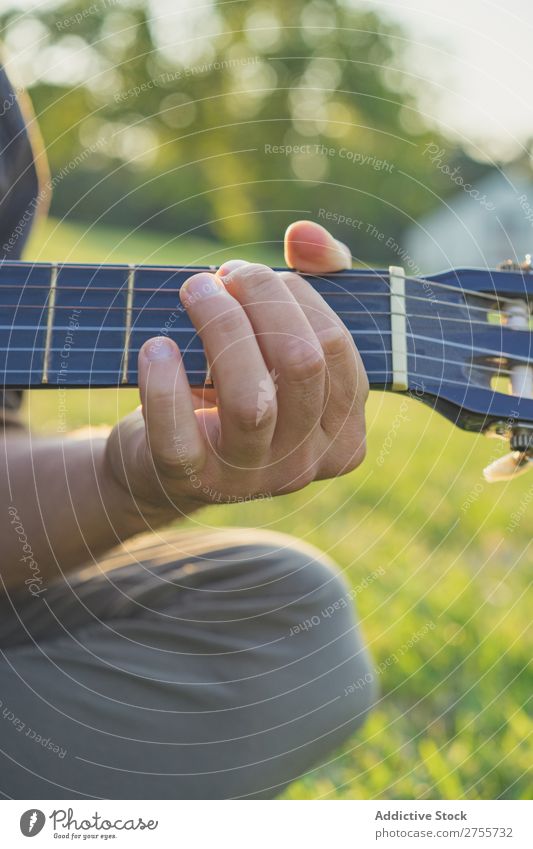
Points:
(193, 666)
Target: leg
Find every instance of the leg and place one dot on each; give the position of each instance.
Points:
(198, 668)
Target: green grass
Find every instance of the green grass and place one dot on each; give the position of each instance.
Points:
(452, 719)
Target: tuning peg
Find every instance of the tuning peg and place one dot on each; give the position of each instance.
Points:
(507, 467)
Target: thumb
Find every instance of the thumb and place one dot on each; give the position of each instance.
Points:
(171, 427)
(309, 247)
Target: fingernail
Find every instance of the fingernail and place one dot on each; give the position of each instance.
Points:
(159, 348)
(345, 251)
(226, 269)
(198, 287)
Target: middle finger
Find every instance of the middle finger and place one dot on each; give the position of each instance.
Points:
(289, 344)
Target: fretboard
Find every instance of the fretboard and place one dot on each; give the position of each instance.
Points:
(83, 325)
(67, 325)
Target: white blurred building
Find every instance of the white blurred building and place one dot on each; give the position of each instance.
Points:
(481, 225)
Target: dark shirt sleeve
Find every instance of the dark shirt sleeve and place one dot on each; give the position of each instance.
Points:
(10, 402)
(19, 200)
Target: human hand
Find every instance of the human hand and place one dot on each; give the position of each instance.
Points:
(289, 397)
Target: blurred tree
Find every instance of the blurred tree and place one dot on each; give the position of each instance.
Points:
(230, 119)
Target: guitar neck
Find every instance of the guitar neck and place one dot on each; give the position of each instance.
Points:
(68, 325)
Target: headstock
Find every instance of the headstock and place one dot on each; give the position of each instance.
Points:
(470, 352)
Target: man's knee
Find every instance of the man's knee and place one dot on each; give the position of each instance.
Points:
(321, 636)
(318, 684)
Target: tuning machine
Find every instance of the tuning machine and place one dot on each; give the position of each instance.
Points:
(511, 265)
(520, 435)
(509, 466)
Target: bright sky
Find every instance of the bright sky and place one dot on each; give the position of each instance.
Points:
(478, 57)
(481, 53)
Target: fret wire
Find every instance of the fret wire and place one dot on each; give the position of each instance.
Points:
(49, 322)
(129, 315)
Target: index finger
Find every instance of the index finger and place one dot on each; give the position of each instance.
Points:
(237, 365)
(310, 248)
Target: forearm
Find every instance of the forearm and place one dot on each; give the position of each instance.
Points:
(61, 506)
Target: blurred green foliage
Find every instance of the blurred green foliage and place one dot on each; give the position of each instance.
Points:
(156, 114)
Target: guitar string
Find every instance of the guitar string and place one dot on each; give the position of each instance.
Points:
(335, 294)
(338, 293)
(385, 378)
(200, 351)
(140, 268)
(473, 349)
(330, 278)
(469, 308)
(341, 313)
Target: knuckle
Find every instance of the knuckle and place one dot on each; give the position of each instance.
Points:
(166, 461)
(293, 280)
(266, 416)
(302, 361)
(362, 386)
(172, 461)
(157, 400)
(230, 322)
(256, 277)
(191, 456)
(355, 457)
(298, 481)
(351, 457)
(354, 389)
(336, 342)
(342, 461)
(251, 419)
(306, 477)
